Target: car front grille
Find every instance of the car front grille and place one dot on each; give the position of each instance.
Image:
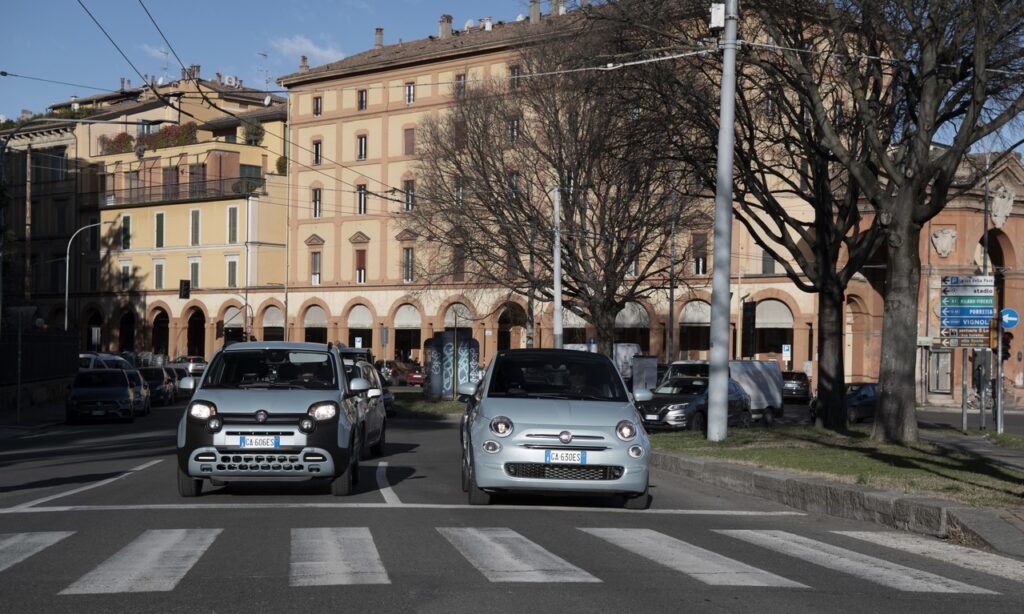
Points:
(541, 471)
(259, 462)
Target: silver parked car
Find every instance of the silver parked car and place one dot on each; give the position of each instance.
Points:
(371, 406)
(271, 411)
(553, 421)
(140, 393)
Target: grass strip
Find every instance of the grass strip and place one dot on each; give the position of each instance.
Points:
(413, 404)
(922, 468)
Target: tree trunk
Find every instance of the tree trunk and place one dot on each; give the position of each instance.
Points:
(895, 416)
(604, 322)
(831, 399)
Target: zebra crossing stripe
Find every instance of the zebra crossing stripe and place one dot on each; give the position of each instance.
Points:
(16, 547)
(503, 555)
(700, 564)
(156, 561)
(859, 565)
(334, 556)
(968, 558)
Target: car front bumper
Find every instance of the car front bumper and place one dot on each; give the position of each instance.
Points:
(83, 411)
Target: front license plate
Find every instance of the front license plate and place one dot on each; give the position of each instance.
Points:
(569, 457)
(651, 417)
(270, 441)
(98, 412)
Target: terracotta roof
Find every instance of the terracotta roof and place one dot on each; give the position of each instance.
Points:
(502, 36)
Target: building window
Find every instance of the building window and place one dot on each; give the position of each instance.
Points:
(197, 180)
(460, 185)
(158, 276)
(232, 273)
(407, 264)
(193, 272)
(232, 224)
(409, 187)
(361, 147)
(59, 162)
(361, 200)
(158, 224)
(126, 232)
(56, 277)
(314, 268)
(318, 106)
(634, 265)
(460, 85)
(360, 266)
(700, 254)
(94, 277)
(94, 235)
(317, 203)
(513, 186)
(459, 137)
(134, 186)
(126, 276)
(361, 100)
(62, 217)
(410, 141)
(458, 263)
(514, 73)
(767, 263)
(410, 92)
(193, 227)
(513, 131)
(316, 152)
(170, 186)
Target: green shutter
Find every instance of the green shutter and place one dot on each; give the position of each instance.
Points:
(233, 225)
(232, 274)
(158, 274)
(195, 227)
(159, 230)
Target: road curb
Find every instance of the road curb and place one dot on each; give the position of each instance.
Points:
(977, 527)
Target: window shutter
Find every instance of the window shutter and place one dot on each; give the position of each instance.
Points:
(159, 230)
(360, 258)
(410, 141)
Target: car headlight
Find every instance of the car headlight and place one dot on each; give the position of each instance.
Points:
(625, 430)
(501, 426)
(201, 410)
(124, 402)
(323, 411)
(677, 406)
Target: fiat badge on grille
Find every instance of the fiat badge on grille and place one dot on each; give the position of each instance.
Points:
(261, 416)
(565, 437)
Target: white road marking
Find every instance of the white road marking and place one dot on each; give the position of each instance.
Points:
(503, 555)
(156, 561)
(35, 502)
(968, 558)
(385, 489)
(333, 556)
(700, 564)
(16, 547)
(23, 509)
(859, 565)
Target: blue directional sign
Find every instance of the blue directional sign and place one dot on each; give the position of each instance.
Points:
(968, 301)
(1009, 317)
(964, 322)
(968, 312)
(969, 280)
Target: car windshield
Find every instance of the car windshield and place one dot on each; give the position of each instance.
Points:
(568, 375)
(272, 368)
(100, 379)
(152, 373)
(797, 376)
(683, 385)
(693, 369)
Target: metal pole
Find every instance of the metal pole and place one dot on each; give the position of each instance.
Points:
(986, 369)
(67, 266)
(556, 315)
(17, 415)
(671, 285)
(998, 407)
(718, 390)
(963, 389)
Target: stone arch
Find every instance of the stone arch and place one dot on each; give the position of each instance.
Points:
(633, 325)
(359, 321)
(195, 325)
(269, 325)
(858, 338)
(408, 331)
(159, 319)
(314, 332)
(442, 310)
(511, 324)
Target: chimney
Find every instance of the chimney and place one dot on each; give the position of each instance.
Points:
(239, 84)
(218, 77)
(183, 74)
(378, 38)
(195, 71)
(444, 27)
(534, 11)
(122, 84)
(304, 64)
(488, 24)
(558, 7)
(129, 82)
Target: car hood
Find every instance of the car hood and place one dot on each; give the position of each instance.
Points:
(661, 400)
(560, 412)
(98, 394)
(250, 400)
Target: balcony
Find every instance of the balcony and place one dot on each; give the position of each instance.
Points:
(192, 191)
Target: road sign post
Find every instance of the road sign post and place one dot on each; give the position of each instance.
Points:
(967, 307)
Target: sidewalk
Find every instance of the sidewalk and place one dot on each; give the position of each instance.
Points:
(979, 447)
(30, 419)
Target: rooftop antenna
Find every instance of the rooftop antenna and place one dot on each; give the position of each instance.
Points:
(263, 69)
(163, 75)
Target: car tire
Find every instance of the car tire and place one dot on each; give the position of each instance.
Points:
(187, 485)
(641, 501)
(851, 416)
(746, 420)
(344, 485)
(377, 449)
(477, 496)
(768, 418)
(699, 422)
(465, 474)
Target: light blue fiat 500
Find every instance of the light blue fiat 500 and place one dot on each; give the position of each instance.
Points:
(553, 421)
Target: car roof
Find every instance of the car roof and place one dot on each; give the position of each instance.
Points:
(275, 345)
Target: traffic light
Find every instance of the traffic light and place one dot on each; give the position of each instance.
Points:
(993, 334)
(1007, 340)
(184, 288)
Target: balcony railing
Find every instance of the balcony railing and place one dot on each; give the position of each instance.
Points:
(193, 190)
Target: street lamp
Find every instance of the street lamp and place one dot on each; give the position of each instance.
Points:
(67, 266)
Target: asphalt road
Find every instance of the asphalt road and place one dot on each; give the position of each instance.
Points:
(90, 521)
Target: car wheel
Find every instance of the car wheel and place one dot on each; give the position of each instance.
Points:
(187, 485)
(746, 420)
(851, 416)
(344, 484)
(769, 416)
(465, 474)
(641, 501)
(699, 422)
(477, 496)
(377, 449)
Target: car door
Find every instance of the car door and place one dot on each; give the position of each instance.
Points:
(374, 402)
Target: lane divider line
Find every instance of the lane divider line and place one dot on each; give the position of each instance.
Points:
(385, 489)
(75, 491)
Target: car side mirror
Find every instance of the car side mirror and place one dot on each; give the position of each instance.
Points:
(188, 383)
(373, 393)
(641, 396)
(358, 385)
(466, 390)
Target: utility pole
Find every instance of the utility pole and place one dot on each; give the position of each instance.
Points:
(671, 284)
(718, 389)
(28, 222)
(556, 315)
(985, 355)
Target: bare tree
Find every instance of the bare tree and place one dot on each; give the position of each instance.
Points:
(493, 163)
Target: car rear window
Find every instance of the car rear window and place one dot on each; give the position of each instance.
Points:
(798, 376)
(572, 375)
(152, 373)
(272, 368)
(100, 379)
